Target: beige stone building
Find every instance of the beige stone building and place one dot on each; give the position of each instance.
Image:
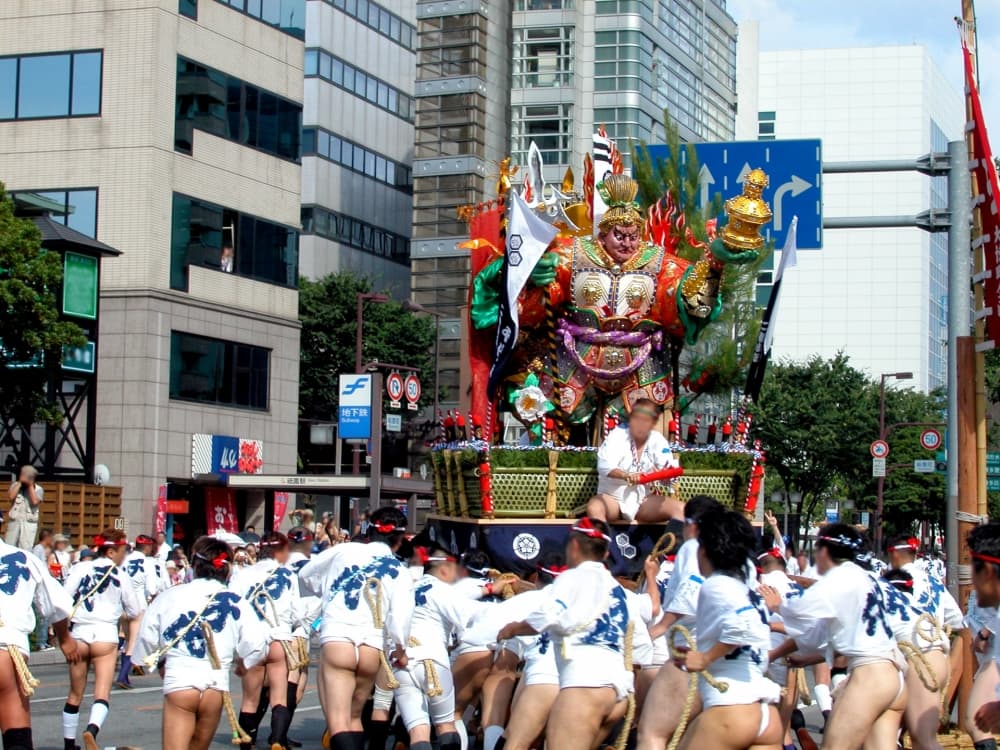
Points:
(171, 130)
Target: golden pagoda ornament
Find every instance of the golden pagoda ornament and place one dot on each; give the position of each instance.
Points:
(747, 214)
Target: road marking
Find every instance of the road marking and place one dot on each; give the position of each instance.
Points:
(133, 691)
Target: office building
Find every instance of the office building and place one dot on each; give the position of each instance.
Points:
(171, 131)
(878, 295)
(570, 67)
(357, 141)
(582, 64)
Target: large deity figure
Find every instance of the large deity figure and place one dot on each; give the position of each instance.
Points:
(619, 306)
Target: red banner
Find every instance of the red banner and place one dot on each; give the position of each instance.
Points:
(984, 173)
(280, 506)
(161, 510)
(220, 510)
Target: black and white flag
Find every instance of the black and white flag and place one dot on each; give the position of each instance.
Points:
(527, 237)
(765, 339)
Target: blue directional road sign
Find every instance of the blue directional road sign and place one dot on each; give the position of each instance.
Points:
(355, 408)
(795, 171)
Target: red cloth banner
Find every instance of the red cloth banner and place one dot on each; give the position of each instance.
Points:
(160, 526)
(984, 173)
(220, 510)
(280, 507)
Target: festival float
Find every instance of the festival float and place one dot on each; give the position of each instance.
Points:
(570, 322)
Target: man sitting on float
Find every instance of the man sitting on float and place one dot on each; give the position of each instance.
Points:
(623, 458)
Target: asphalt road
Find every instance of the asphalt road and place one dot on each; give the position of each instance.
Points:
(134, 721)
(135, 716)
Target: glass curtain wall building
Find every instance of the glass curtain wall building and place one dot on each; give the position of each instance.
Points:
(580, 64)
(357, 144)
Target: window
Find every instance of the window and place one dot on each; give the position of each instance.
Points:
(218, 372)
(371, 89)
(66, 84)
(544, 4)
(76, 208)
(355, 233)
(188, 8)
(543, 57)
(379, 19)
(229, 108)
(549, 125)
(319, 142)
(288, 16)
(207, 235)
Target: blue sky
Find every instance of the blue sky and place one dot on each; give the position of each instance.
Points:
(802, 24)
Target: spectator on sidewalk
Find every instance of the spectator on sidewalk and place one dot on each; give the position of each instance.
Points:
(22, 520)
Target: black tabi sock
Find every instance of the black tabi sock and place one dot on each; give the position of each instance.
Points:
(501, 743)
(291, 694)
(93, 729)
(359, 740)
(378, 733)
(69, 744)
(262, 703)
(342, 741)
(281, 719)
(249, 721)
(451, 741)
(125, 668)
(421, 746)
(990, 744)
(18, 739)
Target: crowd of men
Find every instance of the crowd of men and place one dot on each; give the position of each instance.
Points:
(416, 645)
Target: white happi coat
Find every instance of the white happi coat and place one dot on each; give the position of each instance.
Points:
(272, 591)
(101, 596)
(25, 580)
(730, 612)
(236, 632)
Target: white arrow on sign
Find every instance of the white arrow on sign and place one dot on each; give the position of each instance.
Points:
(705, 180)
(796, 186)
(742, 176)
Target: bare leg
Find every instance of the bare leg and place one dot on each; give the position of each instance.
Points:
(470, 672)
(209, 713)
(923, 707)
(528, 715)
(190, 718)
(871, 692)
(984, 690)
(577, 717)
(14, 712)
(659, 509)
(499, 688)
(253, 681)
(643, 682)
(667, 694)
(604, 508)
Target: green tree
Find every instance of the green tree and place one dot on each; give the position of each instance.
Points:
(31, 330)
(328, 312)
(816, 420)
(720, 359)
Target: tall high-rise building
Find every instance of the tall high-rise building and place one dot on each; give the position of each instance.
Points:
(357, 143)
(462, 132)
(878, 295)
(171, 131)
(570, 66)
(580, 64)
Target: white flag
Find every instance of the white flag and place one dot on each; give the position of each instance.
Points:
(789, 259)
(602, 147)
(528, 235)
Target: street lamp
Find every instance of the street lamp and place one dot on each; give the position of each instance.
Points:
(418, 308)
(881, 436)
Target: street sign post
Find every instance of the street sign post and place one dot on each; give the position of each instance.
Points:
(412, 391)
(924, 466)
(354, 412)
(930, 439)
(878, 467)
(794, 169)
(394, 422)
(394, 387)
(879, 449)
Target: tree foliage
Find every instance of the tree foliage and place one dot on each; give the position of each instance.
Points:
(392, 334)
(31, 329)
(816, 419)
(725, 349)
